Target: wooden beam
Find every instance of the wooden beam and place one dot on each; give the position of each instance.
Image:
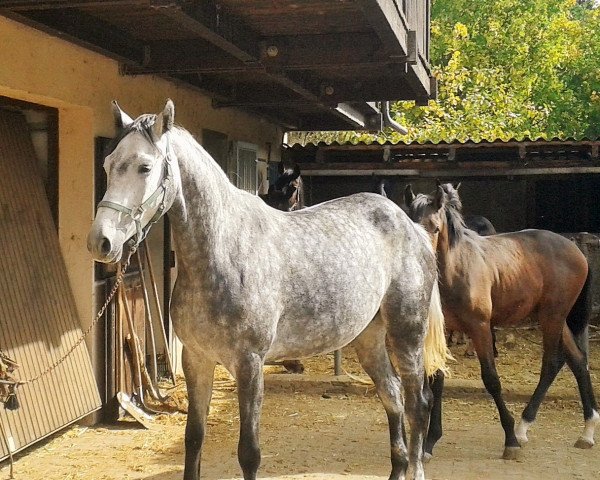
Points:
(361, 120)
(389, 24)
(84, 30)
(28, 5)
(319, 53)
(262, 104)
(309, 172)
(212, 23)
(305, 52)
(459, 169)
(442, 147)
(190, 56)
(420, 80)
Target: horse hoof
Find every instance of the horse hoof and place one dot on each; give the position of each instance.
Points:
(427, 457)
(583, 444)
(511, 453)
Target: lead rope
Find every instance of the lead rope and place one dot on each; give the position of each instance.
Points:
(99, 315)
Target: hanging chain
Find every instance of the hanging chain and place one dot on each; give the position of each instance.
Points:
(113, 291)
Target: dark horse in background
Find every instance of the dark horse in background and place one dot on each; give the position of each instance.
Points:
(287, 195)
(503, 280)
(480, 224)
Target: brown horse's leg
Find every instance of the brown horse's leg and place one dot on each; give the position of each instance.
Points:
(293, 366)
(373, 356)
(436, 383)
(577, 362)
(199, 372)
(482, 338)
(552, 361)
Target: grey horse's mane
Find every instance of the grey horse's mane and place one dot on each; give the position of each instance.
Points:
(143, 125)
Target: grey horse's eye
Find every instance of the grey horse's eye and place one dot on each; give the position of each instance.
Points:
(144, 169)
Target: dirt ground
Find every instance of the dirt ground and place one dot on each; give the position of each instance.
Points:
(319, 429)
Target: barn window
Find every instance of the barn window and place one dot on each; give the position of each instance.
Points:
(243, 170)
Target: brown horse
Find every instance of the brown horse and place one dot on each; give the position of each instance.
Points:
(502, 280)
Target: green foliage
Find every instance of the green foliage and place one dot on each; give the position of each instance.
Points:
(506, 69)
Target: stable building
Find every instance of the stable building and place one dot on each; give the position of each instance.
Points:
(240, 74)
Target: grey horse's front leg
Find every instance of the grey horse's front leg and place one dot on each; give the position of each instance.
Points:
(199, 374)
(250, 381)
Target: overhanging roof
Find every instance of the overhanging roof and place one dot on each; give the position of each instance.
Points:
(307, 65)
(449, 159)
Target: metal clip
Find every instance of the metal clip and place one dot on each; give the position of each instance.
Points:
(12, 402)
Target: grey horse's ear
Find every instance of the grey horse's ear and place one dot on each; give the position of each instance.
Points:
(438, 183)
(458, 186)
(164, 120)
(122, 120)
(409, 196)
(439, 199)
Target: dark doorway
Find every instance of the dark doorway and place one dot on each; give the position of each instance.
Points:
(568, 204)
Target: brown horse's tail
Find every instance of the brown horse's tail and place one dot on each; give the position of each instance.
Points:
(436, 351)
(579, 316)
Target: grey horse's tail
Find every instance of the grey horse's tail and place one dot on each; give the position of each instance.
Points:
(436, 351)
(579, 316)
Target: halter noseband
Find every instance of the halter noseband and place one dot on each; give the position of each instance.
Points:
(137, 213)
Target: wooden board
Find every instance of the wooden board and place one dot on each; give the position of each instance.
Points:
(38, 318)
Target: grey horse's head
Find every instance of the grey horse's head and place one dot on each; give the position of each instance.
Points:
(140, 182)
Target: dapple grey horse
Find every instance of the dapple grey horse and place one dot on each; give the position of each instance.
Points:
(257, 284)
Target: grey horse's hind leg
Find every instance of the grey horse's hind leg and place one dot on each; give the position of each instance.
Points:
(199, 374)
(405, 337)
(250, 382)
(373, 356)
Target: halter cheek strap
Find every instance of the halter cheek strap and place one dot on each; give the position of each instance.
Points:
(136, 213)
